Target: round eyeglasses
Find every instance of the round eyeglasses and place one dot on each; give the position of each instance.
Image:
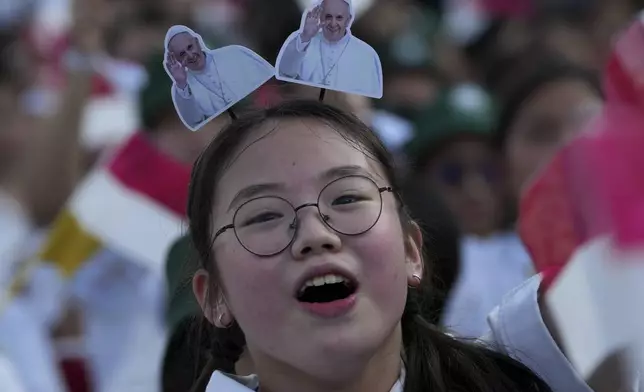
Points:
(266, 226)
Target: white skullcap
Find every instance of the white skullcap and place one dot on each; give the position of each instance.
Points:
(176, 30)
(349, 3)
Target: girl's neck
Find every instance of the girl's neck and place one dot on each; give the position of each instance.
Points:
(375, 373)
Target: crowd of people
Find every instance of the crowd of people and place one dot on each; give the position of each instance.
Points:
(108, 274)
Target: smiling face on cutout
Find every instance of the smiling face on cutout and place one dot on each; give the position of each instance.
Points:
(187, 50)
(335, 18)
(262, 293)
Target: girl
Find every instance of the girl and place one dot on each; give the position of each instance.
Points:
(308, 253)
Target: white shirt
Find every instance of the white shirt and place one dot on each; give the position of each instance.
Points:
(15, 231)
(330, 53)
(9, 381)
(517, 329)
(490, 268)
(25, 342)
(125, 334)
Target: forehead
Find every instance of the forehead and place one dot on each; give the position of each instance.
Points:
(292, 152)
(560, 97)
(180, 41)
(336, 7)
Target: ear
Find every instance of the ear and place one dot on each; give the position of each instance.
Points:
(414, 254)
(217, 313)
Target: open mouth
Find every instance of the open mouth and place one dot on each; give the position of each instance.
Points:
(326, 288)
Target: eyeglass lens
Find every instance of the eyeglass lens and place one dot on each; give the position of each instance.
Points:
(267, 225)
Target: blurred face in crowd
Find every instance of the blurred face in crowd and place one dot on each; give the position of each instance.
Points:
(465, 174)
(408, 92)
(335, 19)
(572, 44)
(187, 50)
(552, 116)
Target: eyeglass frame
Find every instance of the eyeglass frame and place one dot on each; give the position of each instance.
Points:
(294, 225)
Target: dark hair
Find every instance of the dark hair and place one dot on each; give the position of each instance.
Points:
(441, 243)
(434, 361)
(548, 70)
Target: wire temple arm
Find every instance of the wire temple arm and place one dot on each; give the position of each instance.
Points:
(232, 114)
(322, 94)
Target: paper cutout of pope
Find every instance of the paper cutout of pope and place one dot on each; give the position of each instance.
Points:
(323, 53)
(206, 82)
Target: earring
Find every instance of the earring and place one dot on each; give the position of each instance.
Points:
(220, 321)
(417, 277)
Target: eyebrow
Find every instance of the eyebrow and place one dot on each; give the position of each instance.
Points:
(256, 190)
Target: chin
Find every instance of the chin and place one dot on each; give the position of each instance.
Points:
(339, 358)
(351, 342)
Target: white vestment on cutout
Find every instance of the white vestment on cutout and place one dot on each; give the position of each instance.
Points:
(349, 65)
(231, 73)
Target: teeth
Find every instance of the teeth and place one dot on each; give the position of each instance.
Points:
(322, 280)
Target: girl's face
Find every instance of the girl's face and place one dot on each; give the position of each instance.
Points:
(284, 328)
(551, 117)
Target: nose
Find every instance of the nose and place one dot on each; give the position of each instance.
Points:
(313, 236)
(475, 184)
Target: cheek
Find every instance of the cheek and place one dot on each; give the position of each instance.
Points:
(248, 289)
(523, 159)
(381, 252)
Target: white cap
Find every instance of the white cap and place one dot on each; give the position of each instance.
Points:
(179, 29)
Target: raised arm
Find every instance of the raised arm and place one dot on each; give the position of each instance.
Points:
(187, 106)
(298, 43)
(52, 164)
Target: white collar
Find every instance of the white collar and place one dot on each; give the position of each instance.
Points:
(224, 382)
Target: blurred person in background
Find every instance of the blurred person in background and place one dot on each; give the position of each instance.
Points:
(582, 32)
(544, 106)
(41, 171)
(454, 155)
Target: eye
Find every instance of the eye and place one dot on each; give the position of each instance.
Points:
(347, 199)
(262, 218)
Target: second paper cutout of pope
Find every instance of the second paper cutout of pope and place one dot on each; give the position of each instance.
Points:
(323, 53)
